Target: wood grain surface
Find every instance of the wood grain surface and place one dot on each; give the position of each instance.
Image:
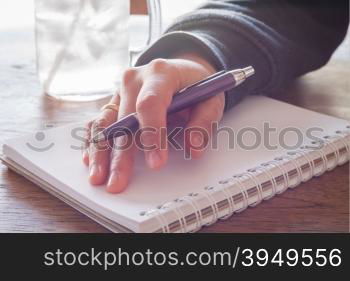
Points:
(321, 205)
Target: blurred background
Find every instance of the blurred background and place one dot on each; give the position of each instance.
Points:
(18, 74)
(19, 14)
(22, 102)
(18, 52)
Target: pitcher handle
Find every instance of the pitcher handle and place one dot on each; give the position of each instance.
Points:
(155, 20)
(154, 27)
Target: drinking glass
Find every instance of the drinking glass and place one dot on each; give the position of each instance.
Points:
(83, 46)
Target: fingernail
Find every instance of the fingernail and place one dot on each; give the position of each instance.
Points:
(115, 183)
(113, 178)
(94, 170)
(153, 159)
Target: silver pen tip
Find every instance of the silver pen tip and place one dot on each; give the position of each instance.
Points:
(242, 74)
(248, 71)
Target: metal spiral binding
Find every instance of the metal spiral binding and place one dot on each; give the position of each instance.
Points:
(272, 179)
(237, 180)
(294, 161)
(243, 191)
(277, 163)
(346, 144)
(229, 197)
(250, 174)
(180, 215)
(303, 153)
(197, 211)
(213, 205)
(336, 152)
(323, 156)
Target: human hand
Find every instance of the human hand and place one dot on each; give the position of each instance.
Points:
(148, 90)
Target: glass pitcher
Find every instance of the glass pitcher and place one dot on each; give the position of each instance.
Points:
(83, 46)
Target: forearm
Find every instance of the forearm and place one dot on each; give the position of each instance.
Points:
(281, 39)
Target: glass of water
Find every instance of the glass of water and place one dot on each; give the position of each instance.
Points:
(83, 46)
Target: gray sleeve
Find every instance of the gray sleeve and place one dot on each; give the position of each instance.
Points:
(281, 39)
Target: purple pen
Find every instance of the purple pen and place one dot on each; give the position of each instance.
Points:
(202, 90)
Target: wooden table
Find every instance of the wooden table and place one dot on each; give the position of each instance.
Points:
(321, 205)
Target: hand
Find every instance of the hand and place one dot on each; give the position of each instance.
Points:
(148, 90)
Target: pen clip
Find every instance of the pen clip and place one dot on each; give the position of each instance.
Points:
(202, 81)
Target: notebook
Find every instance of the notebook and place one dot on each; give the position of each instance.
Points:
(274, 147)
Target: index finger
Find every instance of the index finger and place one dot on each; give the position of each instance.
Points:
(151, 106)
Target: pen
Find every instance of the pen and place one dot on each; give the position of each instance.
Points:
(202, 90)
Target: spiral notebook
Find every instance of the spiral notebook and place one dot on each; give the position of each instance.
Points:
(241, 170)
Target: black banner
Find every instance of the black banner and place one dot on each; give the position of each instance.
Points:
(56, 254)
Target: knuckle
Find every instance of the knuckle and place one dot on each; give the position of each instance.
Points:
(149, 102)
(117, 163)
(100, 123)
(129, 75)
(115, 160)
(159, 65)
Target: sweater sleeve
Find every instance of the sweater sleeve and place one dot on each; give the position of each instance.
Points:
(281, 39)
